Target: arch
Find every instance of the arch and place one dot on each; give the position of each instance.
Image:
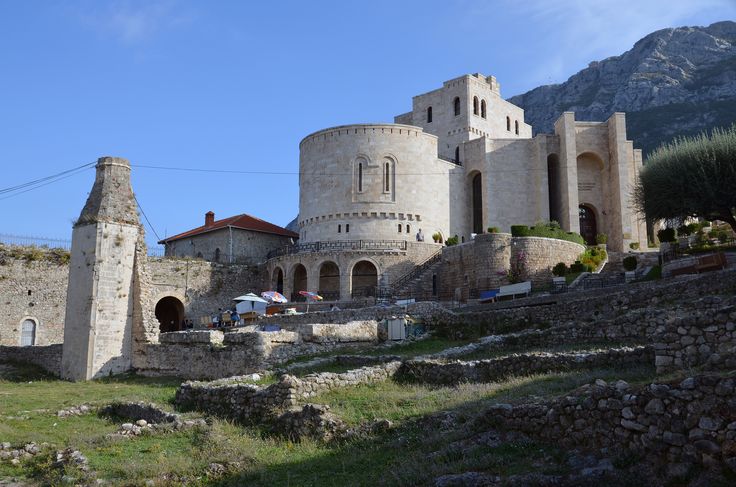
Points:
(364, 277)
(299, 273)
(483, 109)
(28, 330)
(475, 105)
(588, 225)
(553, 186)
(516, 127)
(476, 191)
(360, 177)
(508, 124)
(429, 114)
(592, 188)
(387, 176)
(592, 157)
(408, 228)
(456, 105)
(169, 313)
(457, 155)
(217, 254)
(277, 280)
(329, 281)
(399, 227)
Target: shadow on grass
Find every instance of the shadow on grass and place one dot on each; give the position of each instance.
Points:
(12, 371)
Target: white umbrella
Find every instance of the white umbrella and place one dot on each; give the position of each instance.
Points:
(250, 302)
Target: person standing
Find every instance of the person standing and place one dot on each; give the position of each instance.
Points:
(420, 236)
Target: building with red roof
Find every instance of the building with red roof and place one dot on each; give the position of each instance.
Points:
(242, 239)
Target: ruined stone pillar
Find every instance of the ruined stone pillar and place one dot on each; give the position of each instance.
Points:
(99, 306)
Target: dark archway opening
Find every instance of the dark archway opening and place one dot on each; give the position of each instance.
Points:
(300, 282)
(170, 314)
(365, 279)
(278, 280)
(329, 281)
(588, 226)
(477, 204)
(553, 186)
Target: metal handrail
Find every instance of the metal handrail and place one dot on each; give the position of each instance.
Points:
(418, 269)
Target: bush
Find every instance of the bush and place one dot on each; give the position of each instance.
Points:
(578, 267)
(634, 245)
(452, 241)
(560, 269)
(666, 235)
(546, 230)
(601, 239)
(593, 257)
(436, 237)
(493, 230)
(630, 263)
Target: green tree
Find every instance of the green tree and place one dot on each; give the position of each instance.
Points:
(691, 177)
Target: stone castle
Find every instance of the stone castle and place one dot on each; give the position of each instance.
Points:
(461, 161)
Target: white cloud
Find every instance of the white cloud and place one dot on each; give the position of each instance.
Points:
(133, 22)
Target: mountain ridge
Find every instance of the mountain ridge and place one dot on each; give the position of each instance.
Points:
(674, 81)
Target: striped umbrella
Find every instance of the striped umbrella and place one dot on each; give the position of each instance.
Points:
(274, 297)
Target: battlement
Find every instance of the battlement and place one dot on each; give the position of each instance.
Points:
(365, 129)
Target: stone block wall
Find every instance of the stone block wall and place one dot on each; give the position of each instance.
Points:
(480, 264)
(34, 290)
(48, 357)
(540, 255)
(676, 424)
(705, 336)
(212, 354)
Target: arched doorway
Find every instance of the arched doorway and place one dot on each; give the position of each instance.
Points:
(553, 186)
(477, 203)
(277, 283)
(329, 281)
(365, 279)
(170, 314)
(300, 282)
(28, 333)
(588, 226)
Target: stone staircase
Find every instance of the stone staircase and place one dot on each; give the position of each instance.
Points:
(417, 282)
(615, 261)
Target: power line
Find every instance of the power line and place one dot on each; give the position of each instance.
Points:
(40, 185)
(35, 181)
(158, 239)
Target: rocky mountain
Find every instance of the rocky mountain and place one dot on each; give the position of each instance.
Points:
(673, 82)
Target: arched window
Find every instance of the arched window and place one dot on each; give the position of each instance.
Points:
(516, 127)
(508, 124)
(475, 105)
(408, 228)
(339, 228)
(429, 115)
(457, 154)
(387, 177)
(456, 104)
(483, 109)
(399, 227)
(347, 228)
(28, 333)
(217, 254)
(360, 177)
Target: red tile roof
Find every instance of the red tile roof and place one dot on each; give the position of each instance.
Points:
(244, 222)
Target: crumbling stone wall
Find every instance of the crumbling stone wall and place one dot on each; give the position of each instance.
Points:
(678, 424)
(489, 370)
(243, 402)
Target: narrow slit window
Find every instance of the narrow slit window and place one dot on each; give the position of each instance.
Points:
(508, 124)
(456, 104)
(387, 177)
(360, 177)
(475, 105)
(399, 227)
(429, 115)
(347, 228)
(516, 127)
(408, 229)
(339, 228)
(483, 109)
(457, 154)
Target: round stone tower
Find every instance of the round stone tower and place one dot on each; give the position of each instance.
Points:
(99, 305)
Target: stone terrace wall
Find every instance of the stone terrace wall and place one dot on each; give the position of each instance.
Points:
(48, 357)
(446, 373)
(291, 322)
(592, 306)
(703, 337)
(243, 402)
(210, 354)
(678, 424)
(542, 254)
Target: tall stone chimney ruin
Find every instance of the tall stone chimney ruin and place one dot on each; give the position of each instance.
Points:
(100, 298)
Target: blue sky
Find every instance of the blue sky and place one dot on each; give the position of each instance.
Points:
(235, 85)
